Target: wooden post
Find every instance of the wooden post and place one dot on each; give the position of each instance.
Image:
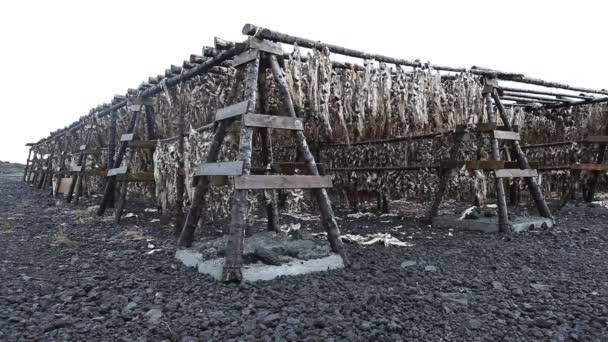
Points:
(198, 198)
(180, 177)
(111, 181)
(327, 214)
(444, 175)
(238, 220)
(111, 151)
(27, 164)
(522, 160)
(503, 217)
(83, 165)
(269, 196)
(595, 173)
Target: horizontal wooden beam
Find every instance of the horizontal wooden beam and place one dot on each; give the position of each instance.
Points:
(281, 182)
(474, 164)
(245, 57)
(516, 173)
(127, 137)
(234, 168)
(273, 121)
(232, 111)
(149, 144)
(590, 167)
(505, 135)
(596, 139)
(117, 171)
(136, 177)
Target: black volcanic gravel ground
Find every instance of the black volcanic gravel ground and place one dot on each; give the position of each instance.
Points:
(68, 276)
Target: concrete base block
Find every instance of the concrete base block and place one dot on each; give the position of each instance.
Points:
(490, 224)
(305, 256)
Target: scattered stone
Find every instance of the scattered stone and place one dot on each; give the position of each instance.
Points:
(473, 324)
(540, 287)
(130, 306)
(408, 263)
(498, 286)
(267, 256)
(154, 315)
(430, 268)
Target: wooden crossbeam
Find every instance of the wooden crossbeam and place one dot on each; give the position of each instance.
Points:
(245, 57)
(127, 137)
(505, 135)
(589, 167)
(281, 182)
(149, 144)
(516, 173)
(136, 108)
(232, 111)
(273, 121)
(597, 139)
(474, 164)
(75, 168)
(220, 169)
(117, 171)
(265, 45)
(290, 168)
(136, 177)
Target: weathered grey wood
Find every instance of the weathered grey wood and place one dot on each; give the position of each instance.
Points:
(597, 139)
(282, 182)
(127, 137)
(135, 177)
(503, 218)
(273, 121)
(238, 220)
(474, 164)
(505, 135)
(590, 167)
(539, 199)
(232, 111)
(186, 236)
(599, 159)
(117, 171)
(327, 214)
(27, 164)
(83, 147)
(143, 144)
(220, 169)
(111, 181)
(135, 108)
(265, 45)
(180, 178)
(245, 57)
(515, 173)
(111, 151)
(75, 168)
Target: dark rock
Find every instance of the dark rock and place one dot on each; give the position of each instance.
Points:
(267, 256)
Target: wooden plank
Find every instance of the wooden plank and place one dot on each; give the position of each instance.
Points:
(273, 121)
(83, 147)
(590, 167)
(97, 173)
(516, 173)
(127, 137)
(597, 139)
(265, 45)
(505, 135)
(474, 164)
(515, 165)
(117, 171)
(64, 185)
(232, 110)
(234, 168)
(75, 168)
(136, 108)
(245, 57)
(136, 177)
(142, 101)
(151, 144)
(281, 182)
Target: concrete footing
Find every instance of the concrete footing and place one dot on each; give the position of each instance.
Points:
(296, 256)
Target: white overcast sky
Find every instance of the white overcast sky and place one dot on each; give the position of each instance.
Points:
(61, 58)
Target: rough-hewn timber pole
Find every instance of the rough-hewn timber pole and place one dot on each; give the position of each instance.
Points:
(180, 178)
(240, 204)
(27, 164)
(327, 213)
(444, 175)
(522, 160)
(503, 217)
(111, 151)
(596, 174)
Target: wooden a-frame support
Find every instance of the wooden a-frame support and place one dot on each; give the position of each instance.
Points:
(490, 93)
(241, 170)
(128, 143)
